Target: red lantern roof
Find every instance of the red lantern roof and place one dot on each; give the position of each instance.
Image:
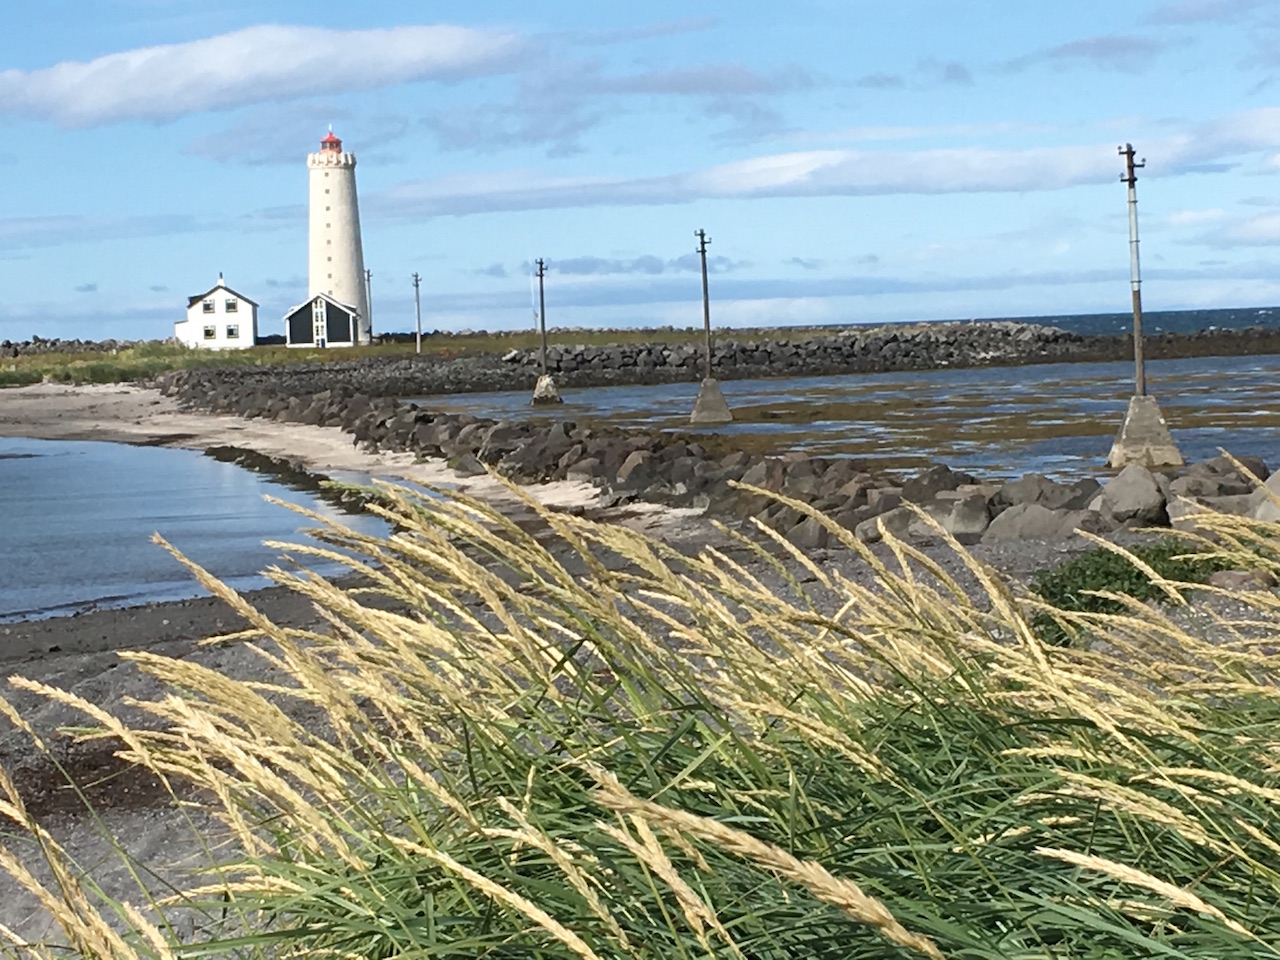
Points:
(330, 142)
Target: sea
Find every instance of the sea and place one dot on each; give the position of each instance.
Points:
(76, 518)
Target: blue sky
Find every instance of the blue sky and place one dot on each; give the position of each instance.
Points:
(852, 161)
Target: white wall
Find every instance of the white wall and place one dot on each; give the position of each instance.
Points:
(336, 255)
(191, 331)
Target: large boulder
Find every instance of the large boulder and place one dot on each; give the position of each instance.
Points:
(897, 521)
(1267, 508)
(965, 518)
(1037, 488)
(926, 486)
(1132, 494)
(1031, 521)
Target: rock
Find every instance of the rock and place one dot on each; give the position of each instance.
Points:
(883, 499)
(1241, 505)
(897, 521)
(808, 534)
(1026, 521)
(1242, 580)
(1133, 494)
(925, 486)
(587, 469)
(467, 465)
(636, 470)
(967, 519)
(1267, 508)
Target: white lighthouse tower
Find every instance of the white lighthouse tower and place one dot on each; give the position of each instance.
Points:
(336, 254)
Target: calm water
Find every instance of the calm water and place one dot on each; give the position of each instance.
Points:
(1057, 419)
(76, 518)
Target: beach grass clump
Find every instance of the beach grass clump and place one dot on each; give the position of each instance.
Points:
(583, 744)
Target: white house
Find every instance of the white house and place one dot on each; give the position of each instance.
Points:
(219, 319)
(322, 321)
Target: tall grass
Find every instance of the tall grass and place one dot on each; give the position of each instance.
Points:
(506, 748)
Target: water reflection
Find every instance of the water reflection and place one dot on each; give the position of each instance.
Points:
(77, 517)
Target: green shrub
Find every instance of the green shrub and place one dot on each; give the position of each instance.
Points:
(1070, 585)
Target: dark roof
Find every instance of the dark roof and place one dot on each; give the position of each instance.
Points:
(320, 296)
(192, 301)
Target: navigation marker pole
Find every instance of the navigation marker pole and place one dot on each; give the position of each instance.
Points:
(544, 391)
(1144, 437)
(417, 311)
(710, 407)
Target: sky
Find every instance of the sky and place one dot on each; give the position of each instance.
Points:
(852, 162)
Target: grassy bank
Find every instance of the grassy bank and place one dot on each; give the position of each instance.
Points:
(489, 756)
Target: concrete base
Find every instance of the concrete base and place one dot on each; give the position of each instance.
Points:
(710, 407)
(545, 392)
(1144, 438)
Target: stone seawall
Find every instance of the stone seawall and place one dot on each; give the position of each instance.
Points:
(701, 472)
(925, 346)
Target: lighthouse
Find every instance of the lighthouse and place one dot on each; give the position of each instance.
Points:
(336, 257)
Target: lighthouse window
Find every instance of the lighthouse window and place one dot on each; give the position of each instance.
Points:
(232, 306)
(233, 331)
(208, 306)
(211, 333)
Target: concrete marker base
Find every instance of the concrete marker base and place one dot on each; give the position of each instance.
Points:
(545, 392)
(1144, 438)
(710, 407)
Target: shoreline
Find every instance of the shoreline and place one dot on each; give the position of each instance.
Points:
(142, 416)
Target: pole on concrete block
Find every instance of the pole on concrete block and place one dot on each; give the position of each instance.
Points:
(544, 391)
(710, 407)
(417, 311)
(1144, 437)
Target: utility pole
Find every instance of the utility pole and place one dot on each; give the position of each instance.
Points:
(542, 312)
(1130, 177)
(703, 240)
(1144, 437)
(544, 391)
(710, 407)
(368, 297)
(417, 309)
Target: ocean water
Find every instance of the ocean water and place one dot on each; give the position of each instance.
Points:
(76, 520)
(1056, 419)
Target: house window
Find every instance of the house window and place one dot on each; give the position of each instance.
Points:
(233, 331)
(211, 333)
(232, 306)
(208, 306)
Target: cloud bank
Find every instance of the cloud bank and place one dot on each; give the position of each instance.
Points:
(255, 65)
(832, 173)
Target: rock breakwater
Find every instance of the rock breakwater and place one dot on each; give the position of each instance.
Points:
(703, 473)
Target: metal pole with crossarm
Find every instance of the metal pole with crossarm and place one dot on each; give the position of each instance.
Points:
(1130, 177)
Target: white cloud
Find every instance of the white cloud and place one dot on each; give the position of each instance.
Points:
(255, 65)
(1210, 147)
(1189, 218)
